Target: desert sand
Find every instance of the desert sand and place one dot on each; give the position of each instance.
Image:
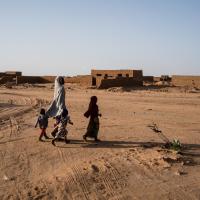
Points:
(129, 163)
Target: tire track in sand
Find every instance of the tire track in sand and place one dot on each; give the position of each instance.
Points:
(81, 181)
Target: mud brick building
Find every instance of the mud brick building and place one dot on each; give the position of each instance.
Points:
(10, 73)
(9, 76)
(116, 78)
(16, 77)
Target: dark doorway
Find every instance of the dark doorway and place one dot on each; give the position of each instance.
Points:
(94, 81)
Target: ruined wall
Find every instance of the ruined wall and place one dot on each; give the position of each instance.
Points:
(9, 76)
(156, 79)
(31, 79)
(49, 79)
(149, 79)
(82, 80)
(6, 79)
(2, 74)
(193, 81)
(119, 82)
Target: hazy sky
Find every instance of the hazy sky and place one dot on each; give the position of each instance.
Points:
(48, 37)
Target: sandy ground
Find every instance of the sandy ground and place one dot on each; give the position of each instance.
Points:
(129, 163)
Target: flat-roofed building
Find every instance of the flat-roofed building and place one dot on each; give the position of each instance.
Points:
(116, 78)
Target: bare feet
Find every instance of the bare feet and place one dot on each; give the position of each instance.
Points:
(67, 141)
(53, 142)
(97, 140)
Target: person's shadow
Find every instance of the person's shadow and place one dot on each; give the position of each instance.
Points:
(189, 151)
(106, 144)
(119, 144)
(187, 148)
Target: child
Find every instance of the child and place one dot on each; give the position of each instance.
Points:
(62, 131)
(55, 130)
(43, 124)
(93, 126)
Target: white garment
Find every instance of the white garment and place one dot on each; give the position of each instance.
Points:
(58, 103)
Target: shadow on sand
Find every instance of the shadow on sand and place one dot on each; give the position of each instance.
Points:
(189, 152)
(188, 149)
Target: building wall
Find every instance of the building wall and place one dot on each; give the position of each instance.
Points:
(49, 79)
(99, 81)
(148, 79)
(31, 79)
(137, 73)
(119, 82)
(82, 80)
(2, 74)
(116, 73)
(156, 79)
(116, 78)
(186, 81)
(6, 79)
(13, 73)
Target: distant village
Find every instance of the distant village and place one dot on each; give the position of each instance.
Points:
(104, 79)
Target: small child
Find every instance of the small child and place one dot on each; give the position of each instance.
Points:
(43, 124)
(62, 127)
(93, 126)
(55, 130)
